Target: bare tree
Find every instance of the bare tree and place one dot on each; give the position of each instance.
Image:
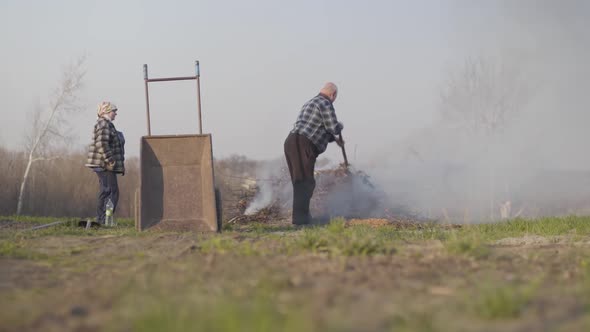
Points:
(50, 126)
(483, 97)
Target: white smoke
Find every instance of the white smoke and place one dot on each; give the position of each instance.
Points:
(273, 184)
(263, 198)
(467, 169)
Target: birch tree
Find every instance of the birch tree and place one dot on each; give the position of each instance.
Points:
(49, 125)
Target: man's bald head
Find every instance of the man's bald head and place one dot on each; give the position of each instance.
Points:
(330, 90)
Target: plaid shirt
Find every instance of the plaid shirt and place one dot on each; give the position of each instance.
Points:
(317, 121)
(106, 143)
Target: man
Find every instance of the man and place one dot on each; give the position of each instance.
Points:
(106, 157)
(316, 126)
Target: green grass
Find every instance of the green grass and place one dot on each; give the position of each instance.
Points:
(245, 279)
(229, 315)
(332, 239)
(35, 219)
(502, 301)
(156, 301)
(17, 249)
(13, 242)
(47, 220)
(125, 226)
(224, 245)
(551, 226)
(412, 321)
(336, 239)
(470, 245)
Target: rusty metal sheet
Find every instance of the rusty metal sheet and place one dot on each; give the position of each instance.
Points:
(177, 190)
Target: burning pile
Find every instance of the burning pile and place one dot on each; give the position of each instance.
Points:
(339, 192)
(346, 193)
(261, 200)
(273, 212)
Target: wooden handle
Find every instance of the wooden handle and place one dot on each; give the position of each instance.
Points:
(344, 152)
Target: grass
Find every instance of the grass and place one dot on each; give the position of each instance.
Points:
(35, 219)
(584, 270)
(551, 226)
(17, 249)
(336, 239)
(332, 239)
(47, 220)
(470, 245)
(224, 245)
(125, 226)
(262, 277)
(501, 301)
(14, 243)
(229, 315)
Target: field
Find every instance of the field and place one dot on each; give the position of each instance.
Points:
(520, 275)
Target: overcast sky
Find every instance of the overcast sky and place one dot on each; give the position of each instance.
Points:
(260, 61)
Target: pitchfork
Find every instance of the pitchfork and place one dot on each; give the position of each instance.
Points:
(344, 152)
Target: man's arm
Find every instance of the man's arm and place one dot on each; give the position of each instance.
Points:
(329, 119)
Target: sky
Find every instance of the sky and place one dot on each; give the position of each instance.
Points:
(260, 61)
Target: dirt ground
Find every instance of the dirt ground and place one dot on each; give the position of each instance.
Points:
(97, 281)
(11, 225)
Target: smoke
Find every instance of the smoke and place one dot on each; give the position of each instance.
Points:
(273, 185)
(509, 135)
(339, 192)
(512, 116)
(349, 195)
(262, 199)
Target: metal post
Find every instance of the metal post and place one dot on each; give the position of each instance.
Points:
(198, 76)
(147, 98)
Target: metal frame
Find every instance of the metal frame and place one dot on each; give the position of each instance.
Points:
(147, 80)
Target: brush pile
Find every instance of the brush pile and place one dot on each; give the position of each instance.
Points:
(277, 210)
(344, 192)
(339, 192)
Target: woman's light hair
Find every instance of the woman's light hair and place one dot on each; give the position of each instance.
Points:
(105, 107)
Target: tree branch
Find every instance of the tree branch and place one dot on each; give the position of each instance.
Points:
(46, 159)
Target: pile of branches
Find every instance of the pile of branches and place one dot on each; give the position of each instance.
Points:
(339, 192)
(277, 210)
(273, 212)
(345, 192)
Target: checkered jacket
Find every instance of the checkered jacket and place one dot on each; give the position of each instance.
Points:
(105, 145)
(317, 121)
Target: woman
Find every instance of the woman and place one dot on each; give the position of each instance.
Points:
(106, 157)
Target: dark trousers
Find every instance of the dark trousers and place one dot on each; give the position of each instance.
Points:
(301, 156)
(109, 189)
